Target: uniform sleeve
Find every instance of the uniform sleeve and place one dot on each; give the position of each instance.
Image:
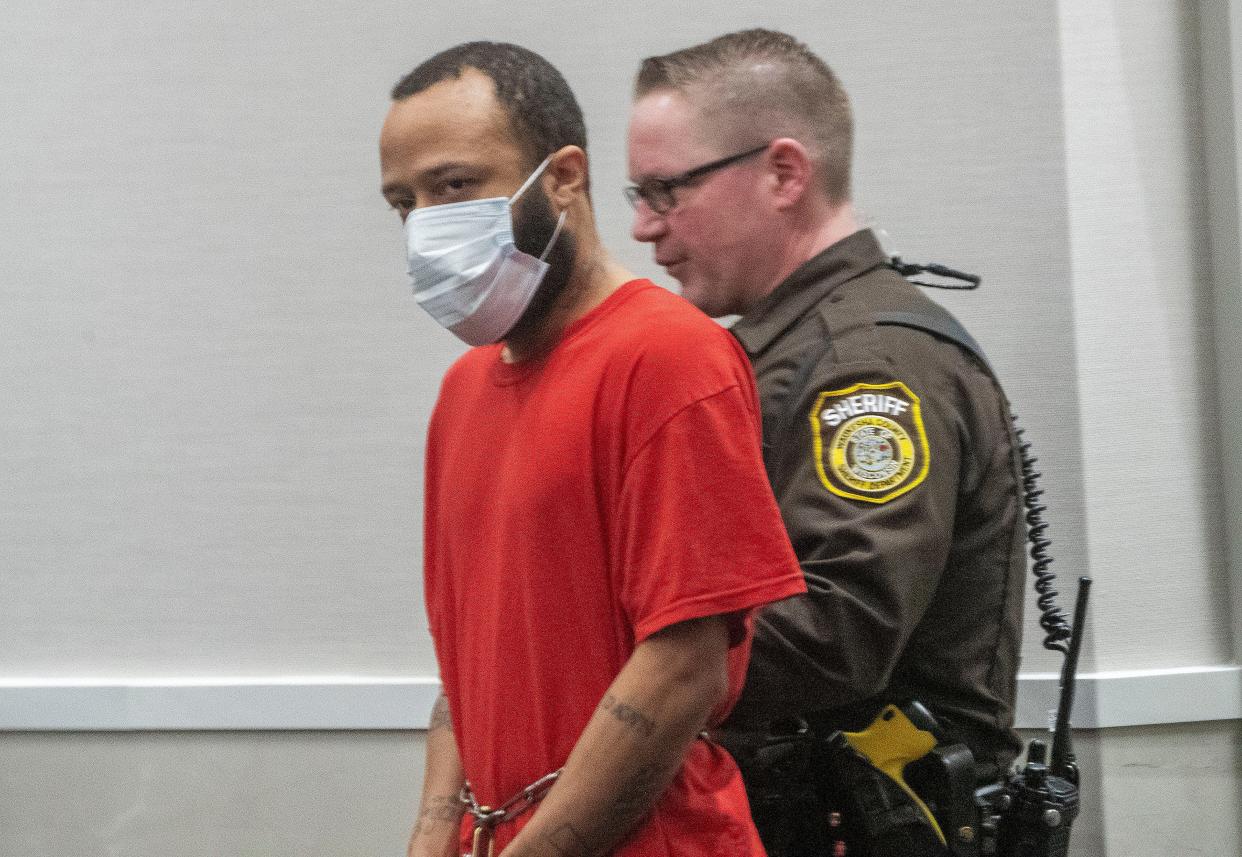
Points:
(697, 531)
(870, 468)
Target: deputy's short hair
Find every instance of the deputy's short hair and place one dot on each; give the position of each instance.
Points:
(542, 111)
(757, 85)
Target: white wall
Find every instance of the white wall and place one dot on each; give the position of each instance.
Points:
(215, 393)
(1142, 313)
(218, 385)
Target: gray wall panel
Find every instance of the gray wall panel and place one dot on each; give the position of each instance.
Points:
(1221, 28)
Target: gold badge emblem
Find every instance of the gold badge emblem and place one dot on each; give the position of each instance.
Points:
(870, 443)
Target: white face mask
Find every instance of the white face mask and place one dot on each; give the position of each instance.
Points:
(466, 271)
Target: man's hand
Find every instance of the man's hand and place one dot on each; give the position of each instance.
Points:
(634, 744)
(439, 815)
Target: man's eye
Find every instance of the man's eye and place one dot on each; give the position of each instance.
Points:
(453, 186)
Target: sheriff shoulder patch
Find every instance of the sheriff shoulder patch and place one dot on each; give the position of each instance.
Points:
(870, 443)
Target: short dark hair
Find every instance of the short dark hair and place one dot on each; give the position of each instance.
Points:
(543, 113)
(754, 85)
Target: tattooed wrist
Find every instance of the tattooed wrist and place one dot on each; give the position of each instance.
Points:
(437, 811)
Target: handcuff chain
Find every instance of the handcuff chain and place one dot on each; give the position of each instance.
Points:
(521, 802)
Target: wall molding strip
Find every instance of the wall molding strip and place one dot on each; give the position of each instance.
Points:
(1104, 700)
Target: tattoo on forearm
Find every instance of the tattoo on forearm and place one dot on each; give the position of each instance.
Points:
(633, 800)
(629, 715)
(440, 717)
(566, 841)
(639, 792)
(436, 812)
(629, 803)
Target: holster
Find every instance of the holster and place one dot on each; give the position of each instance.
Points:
(811, 792)
(781, 785)
(886, 820)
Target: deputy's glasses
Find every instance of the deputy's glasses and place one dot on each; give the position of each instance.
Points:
(658, 192)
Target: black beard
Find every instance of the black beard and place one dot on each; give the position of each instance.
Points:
(534, 222)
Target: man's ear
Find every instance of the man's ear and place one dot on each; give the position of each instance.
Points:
(566, 177)
(792, 170)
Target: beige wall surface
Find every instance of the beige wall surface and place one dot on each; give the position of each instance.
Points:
(208, 794)
(1146, 792)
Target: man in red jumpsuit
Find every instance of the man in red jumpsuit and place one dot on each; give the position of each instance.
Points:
(598, 523)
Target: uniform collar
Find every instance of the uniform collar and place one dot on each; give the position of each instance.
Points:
(813, 280)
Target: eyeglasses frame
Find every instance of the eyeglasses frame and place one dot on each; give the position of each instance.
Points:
(648, 187)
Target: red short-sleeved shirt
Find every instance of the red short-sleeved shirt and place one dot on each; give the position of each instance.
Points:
(574, 506)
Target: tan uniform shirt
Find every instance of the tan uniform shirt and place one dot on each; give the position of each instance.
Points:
(895, 467)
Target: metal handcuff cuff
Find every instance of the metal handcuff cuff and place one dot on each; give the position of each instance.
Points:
(486, 819)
